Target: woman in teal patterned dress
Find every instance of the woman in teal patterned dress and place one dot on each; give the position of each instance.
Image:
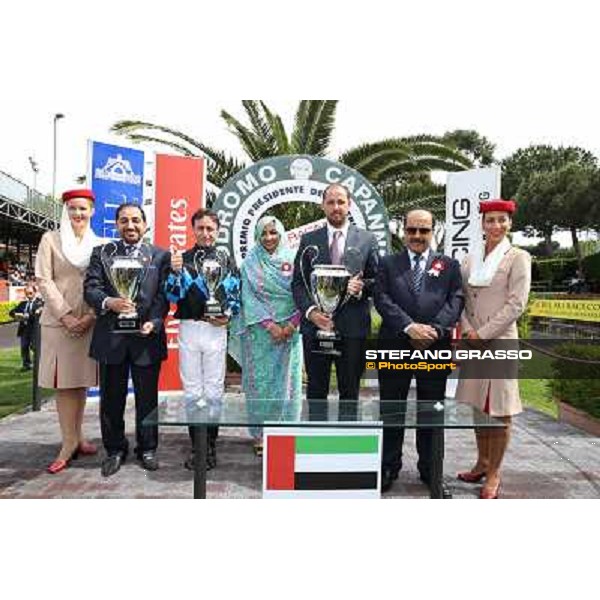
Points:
(271, 352)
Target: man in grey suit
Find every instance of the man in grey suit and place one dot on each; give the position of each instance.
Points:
(352, 321)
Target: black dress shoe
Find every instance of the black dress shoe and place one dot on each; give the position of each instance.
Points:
(426, 479)
(111, 464)
(388, 476)
(446, 493)
(149, 460)
(190, 462)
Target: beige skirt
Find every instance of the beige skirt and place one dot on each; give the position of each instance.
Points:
(64, 361)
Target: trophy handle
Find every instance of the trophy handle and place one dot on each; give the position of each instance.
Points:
(146, 254)
(353, 261)
(222, 258)
(106, 253)
(197, 260)
(315, 251)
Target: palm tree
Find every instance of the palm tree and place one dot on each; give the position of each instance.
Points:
(400, 168)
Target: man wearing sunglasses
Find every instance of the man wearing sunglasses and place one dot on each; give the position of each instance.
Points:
(418, 294)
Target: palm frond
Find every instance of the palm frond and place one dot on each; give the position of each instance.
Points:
(128, 128)
(361, 156)
(399, 199)
(279, 133)
(139, 138)
(320, 137)
(254, 147)
(314, 123)
(220, 166)
(261, 126)
(299, 127)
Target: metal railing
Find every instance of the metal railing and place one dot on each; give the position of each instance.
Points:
(16, 191)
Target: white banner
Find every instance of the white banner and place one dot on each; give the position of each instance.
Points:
(464, 191)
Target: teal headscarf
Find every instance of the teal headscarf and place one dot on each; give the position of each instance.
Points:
(267, 279)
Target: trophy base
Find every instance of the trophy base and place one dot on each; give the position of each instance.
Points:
(327, 342)
(127, 324)
(213, 310)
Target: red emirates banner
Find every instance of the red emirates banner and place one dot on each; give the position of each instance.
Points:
(179, 193)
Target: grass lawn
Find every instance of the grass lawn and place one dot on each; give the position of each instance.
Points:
(15, 385)
(535, 393)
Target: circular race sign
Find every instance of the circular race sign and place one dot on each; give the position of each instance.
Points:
(247, 196)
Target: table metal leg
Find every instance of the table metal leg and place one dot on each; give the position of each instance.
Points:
(437, 463)
(200, 453)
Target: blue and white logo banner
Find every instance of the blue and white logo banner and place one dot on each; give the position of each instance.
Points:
(117, 176)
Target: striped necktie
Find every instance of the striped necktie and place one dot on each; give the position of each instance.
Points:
(417, 274)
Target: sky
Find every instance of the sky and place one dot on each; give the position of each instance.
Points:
(517, 74)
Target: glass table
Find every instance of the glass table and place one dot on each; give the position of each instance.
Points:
(366, 413)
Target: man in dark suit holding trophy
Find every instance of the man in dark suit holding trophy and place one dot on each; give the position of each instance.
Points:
(335, 244)
(135, 344)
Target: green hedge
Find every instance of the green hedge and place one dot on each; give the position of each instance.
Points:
(577, 384)
(524, 322)
(553, 269)
(4, 308)
(591, 266)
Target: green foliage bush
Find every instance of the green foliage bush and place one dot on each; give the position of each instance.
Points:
(577, 384)
(554, 269)
(4, 308)
(591, 266)
(524, 322)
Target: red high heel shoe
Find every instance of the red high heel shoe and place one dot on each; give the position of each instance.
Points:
(60, 465)
(471, 476)
(87, 448)
(489, 492)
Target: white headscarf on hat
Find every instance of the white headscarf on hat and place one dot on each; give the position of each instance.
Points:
(76, 251)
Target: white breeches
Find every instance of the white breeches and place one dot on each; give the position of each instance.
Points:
(202, 360)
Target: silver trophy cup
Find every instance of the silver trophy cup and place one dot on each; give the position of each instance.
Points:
(213, 269)
(328, 289)
(126, 274)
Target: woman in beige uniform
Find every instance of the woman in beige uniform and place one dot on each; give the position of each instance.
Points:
(66, 321)
(496, 284)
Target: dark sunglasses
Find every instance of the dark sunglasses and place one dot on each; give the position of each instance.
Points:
(421, 230)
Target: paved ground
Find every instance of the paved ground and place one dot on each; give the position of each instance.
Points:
(546, 459)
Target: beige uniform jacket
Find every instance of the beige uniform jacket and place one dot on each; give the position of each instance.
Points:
(493, 312)
(60, 283)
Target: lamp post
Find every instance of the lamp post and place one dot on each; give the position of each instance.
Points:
(35, 168)
(57, 116)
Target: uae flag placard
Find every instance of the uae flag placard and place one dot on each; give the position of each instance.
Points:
(321, 463)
